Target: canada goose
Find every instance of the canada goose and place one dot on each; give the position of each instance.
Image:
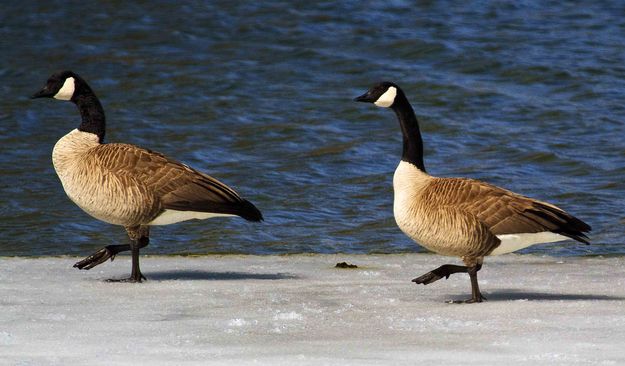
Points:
(459, 216)
(127, 185)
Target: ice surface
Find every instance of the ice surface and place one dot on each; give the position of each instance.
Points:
(300, 310)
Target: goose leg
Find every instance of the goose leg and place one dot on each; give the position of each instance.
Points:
(448, 269)
(140, 238)
(102, 255)
(476, 295)
(135, 274)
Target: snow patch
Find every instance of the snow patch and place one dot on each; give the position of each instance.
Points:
(538, 312)
(238, 322)
(288, 316)
(6, 338)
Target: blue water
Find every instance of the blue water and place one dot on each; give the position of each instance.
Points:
(528, 95)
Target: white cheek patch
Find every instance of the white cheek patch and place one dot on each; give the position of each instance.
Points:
(66, 92)
(387, 99)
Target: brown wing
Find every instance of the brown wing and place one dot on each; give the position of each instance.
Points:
(176, 185)
(505, 212)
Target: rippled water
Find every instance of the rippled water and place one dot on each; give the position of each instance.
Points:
(528, 95)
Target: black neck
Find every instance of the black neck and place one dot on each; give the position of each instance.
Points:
(413, 144)
(91, 111)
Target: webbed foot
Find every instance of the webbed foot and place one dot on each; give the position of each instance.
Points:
(429, 277)
(132, 279)
(98, 257)
(479, 298)
(443, 271)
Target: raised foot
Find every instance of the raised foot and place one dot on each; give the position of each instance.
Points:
(430, 277)
(96, 258)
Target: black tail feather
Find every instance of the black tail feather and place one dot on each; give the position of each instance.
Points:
(567, 225)
(249, 212)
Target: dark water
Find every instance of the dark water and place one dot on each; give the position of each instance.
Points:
(528, 95)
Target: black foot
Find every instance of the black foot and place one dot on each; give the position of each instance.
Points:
(443, 271)
(131, 279)
(472, 300)
(430, 277)
(98, 257)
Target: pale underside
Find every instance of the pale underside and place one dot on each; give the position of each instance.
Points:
(174, 216)
(513, 242)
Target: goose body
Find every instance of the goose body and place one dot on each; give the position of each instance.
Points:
(127, 185)
(467, 217)
(463, 217)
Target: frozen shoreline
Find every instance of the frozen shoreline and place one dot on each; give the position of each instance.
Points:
(299, 310)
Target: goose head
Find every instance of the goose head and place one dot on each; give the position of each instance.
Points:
(61, 85)
(381, 94)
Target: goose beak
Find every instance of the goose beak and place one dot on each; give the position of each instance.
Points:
(43, 93)
(365, 98)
